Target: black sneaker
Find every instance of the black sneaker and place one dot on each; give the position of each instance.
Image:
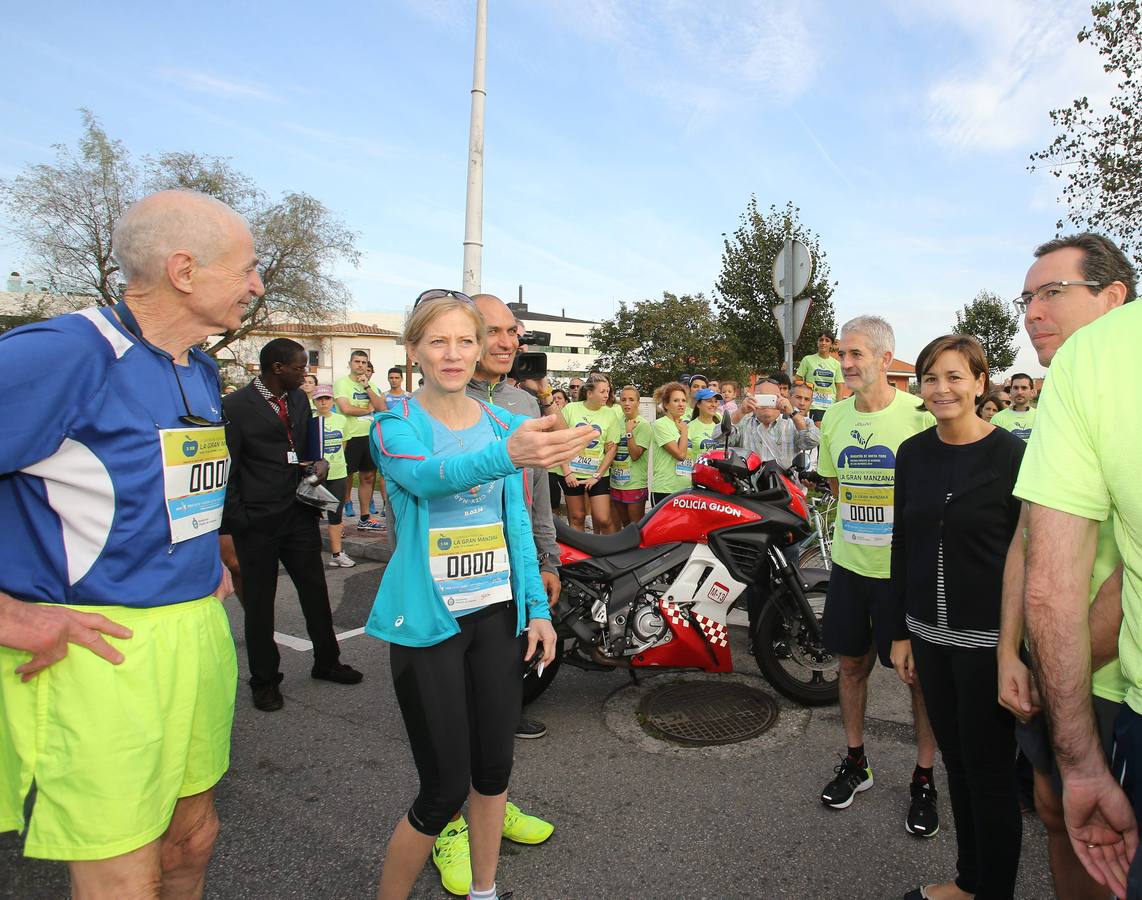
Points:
(529, 728)
(923, 820)
(852, 778)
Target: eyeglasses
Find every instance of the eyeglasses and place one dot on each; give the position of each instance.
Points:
(190, 418)
(437, 293)
(1047, 292)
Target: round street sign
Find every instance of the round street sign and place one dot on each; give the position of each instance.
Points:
(802, 270)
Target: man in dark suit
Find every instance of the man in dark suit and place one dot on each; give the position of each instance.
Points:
(267, 435)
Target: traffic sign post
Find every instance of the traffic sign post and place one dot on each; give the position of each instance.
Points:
(792, 270)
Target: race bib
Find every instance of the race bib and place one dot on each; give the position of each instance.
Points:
(470, 565)
(584, 465)
(866, 515)
(196, 465)
(620, 468)
(684, 467)
(822, 399)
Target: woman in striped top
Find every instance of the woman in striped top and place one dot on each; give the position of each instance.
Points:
(954, 516)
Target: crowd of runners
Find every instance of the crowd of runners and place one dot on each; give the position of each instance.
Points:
(988, 548)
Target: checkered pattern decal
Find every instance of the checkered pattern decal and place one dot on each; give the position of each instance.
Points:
(716, 632)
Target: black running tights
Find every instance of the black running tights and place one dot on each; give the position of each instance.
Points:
(460, 701)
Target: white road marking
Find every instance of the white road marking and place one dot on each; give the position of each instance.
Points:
(303, 645)
(288, 640)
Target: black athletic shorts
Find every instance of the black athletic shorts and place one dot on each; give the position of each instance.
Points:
(858, 613)
(1035, 740)
(602, 488)
(817, 415)
(358, 457)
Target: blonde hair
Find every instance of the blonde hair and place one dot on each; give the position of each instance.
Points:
(424, 314)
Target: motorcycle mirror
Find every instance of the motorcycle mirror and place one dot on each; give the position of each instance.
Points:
(726, 426)
(801, 462)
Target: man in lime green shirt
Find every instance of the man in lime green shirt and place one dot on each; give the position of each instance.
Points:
(1052, 313)
(332, 438)
(1080, 467)
(823, 373)
(859, 439)
(357, 399)
(1019, 417)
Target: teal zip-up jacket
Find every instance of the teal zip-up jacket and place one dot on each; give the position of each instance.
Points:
(409, 608)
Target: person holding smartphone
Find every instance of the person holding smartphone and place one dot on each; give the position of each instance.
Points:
(769, 425)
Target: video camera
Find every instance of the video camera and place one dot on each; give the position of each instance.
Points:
(531, 364)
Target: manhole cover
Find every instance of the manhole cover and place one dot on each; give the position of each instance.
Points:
(705, 713)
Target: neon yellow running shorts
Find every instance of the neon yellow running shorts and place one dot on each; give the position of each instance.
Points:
(111, 748)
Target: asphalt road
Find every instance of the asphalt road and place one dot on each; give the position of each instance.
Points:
(314, 790)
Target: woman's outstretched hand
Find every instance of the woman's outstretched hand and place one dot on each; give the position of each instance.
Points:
(535, 445)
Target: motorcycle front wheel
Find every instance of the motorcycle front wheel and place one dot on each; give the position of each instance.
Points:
(800, 669)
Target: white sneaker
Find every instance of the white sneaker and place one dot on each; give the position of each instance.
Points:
(341, 560)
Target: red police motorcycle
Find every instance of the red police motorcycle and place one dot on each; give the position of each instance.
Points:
(659, 593)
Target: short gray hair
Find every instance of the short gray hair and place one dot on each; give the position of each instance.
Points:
(160, 224)
(879, 333)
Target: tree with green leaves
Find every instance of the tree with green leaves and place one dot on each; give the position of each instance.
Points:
(66, 211)
(744, 294)
(1098, 152)
(992, 322)
(651, 342)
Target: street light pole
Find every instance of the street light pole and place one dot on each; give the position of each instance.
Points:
(474, 211)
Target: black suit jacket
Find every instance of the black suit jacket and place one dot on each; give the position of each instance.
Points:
(262, 484)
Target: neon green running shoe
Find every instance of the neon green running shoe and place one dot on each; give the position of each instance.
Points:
(524, 829)
(452, 857)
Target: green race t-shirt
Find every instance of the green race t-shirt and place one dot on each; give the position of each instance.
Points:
(357, 426)
(823, 374)
(625, 474)
(333, 443)
(670, 474)
(586, 464)
(1018, 423)
(859, 450)
(703, 436)
(1108, 682)
(1083, 459)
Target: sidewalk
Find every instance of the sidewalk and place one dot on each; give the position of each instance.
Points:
(371, 545)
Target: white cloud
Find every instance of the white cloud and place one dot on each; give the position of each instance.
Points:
(1026, 62)
(706, 60)
(205, 82)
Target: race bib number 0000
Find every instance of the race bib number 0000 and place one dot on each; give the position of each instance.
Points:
(196, 465)
(866, 515)
(470, 566)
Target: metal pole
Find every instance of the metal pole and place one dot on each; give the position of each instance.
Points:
(474, 212)
(789, 317)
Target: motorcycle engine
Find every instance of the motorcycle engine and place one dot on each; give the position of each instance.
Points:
(647, 626)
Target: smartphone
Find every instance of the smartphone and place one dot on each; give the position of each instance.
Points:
(764, 400)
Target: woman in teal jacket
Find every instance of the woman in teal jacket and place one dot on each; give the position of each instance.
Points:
(462, 588)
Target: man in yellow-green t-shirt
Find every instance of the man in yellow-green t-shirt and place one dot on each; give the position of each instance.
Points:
(859, 439)
(1019, 417)
(356, 398)
(1078, 471)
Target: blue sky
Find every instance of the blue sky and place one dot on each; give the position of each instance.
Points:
(623, 137)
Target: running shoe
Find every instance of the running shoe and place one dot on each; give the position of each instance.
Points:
(452, 857)
(370, 525)
(529, 729)
(923, 820)
(341, 560)
(525, 829)
(348, 511)
(851, 779)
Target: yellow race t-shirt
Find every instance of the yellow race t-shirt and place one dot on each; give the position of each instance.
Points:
(670, 474)
(586, 464)
(333, 439)
(703, 437)
(859, 450)
(345, 387)
(628, 475)
(823, 374)
(1083, 459)
(1018, 423)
